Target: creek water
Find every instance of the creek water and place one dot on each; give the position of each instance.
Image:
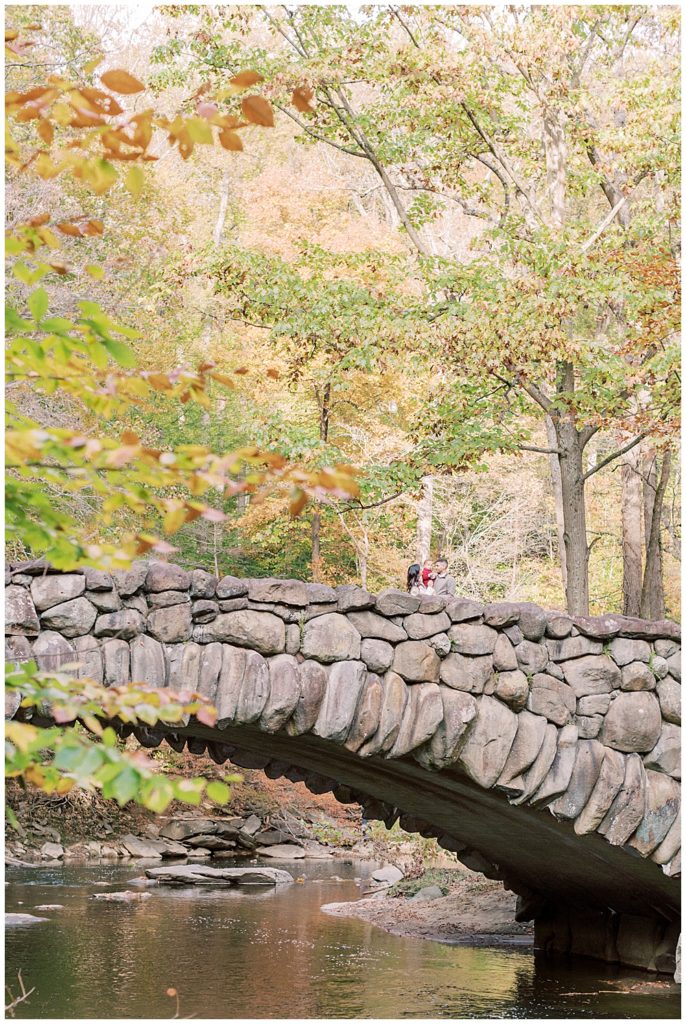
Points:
(273, 953)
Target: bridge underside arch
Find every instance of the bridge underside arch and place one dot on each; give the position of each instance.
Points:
(543, 750)
(531, 852)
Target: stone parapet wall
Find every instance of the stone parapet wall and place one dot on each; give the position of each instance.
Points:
(581, 716)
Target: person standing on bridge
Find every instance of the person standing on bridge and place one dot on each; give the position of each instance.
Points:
(444, 584)
(414, 579)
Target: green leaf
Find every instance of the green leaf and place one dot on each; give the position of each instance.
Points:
(157, 794)
(124, 787)
(120, 352)
(57, 325)
(38, 303)
(218, 792)
(15, 323)
(109, 737)
(23, 273)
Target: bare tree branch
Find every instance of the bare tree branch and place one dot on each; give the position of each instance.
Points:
(374, 504)
(614, 455)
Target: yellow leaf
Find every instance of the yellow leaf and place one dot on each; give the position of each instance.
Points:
(91, 65)
(174, 519)
(257, 111)
(121, 82)
(96, 272)
(47, 236)
(34, 775)
(199, 130)
(21, 734)
(134, 181)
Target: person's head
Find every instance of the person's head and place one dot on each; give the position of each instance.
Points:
(428, 564)
(441, 566)
(413, 575)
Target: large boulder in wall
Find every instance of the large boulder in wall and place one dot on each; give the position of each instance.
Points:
(343, 690)
(73, 618)
(366, 720)
(633, 722)
(284, 690)
(330, 637)
(20, 615)
(313, 678)
(260, 631)
(395, 698)
(166, 576)
(527, 744)
(662, 802)
(171, 625)
(148, 665)
(416, 662)
(488, 743)
(459, 711)
(47, 591)
(51, 651)
(422, 717)
(271, 591)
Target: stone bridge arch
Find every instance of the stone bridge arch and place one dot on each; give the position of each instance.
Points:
(543, 750)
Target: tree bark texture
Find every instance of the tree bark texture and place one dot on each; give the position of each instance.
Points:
(653, 591)
(323, 397)
(574, 513)
(632, 539)
(556, 480)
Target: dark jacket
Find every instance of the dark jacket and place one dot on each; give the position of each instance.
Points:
(444, 585)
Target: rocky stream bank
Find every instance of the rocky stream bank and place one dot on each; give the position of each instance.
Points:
(418, 890)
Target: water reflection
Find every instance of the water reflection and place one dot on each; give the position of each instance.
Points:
(273, 953)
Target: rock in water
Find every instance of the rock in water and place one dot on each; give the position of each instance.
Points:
(140, 848)
(121, 897)
(11, 919)
(196, 874)
(281, 851)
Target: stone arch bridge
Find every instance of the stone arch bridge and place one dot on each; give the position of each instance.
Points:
(543, 750)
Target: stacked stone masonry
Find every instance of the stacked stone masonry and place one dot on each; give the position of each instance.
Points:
(579, 716)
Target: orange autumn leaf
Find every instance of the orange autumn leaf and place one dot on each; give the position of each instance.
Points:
(302, 99)
(121, 82)
(230, 140)
(246, 78)
(258, 111)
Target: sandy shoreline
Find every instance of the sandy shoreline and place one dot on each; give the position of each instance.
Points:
(475, 912)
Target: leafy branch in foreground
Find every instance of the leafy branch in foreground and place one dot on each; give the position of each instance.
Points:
(82, 749)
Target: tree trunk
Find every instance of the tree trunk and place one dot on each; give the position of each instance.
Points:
(631, 533)
(574, 512)
(424, 520)
(554, 463)
(324, 403)
(316, 547)
(555, 148)
(223, 207)
(652, 591)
